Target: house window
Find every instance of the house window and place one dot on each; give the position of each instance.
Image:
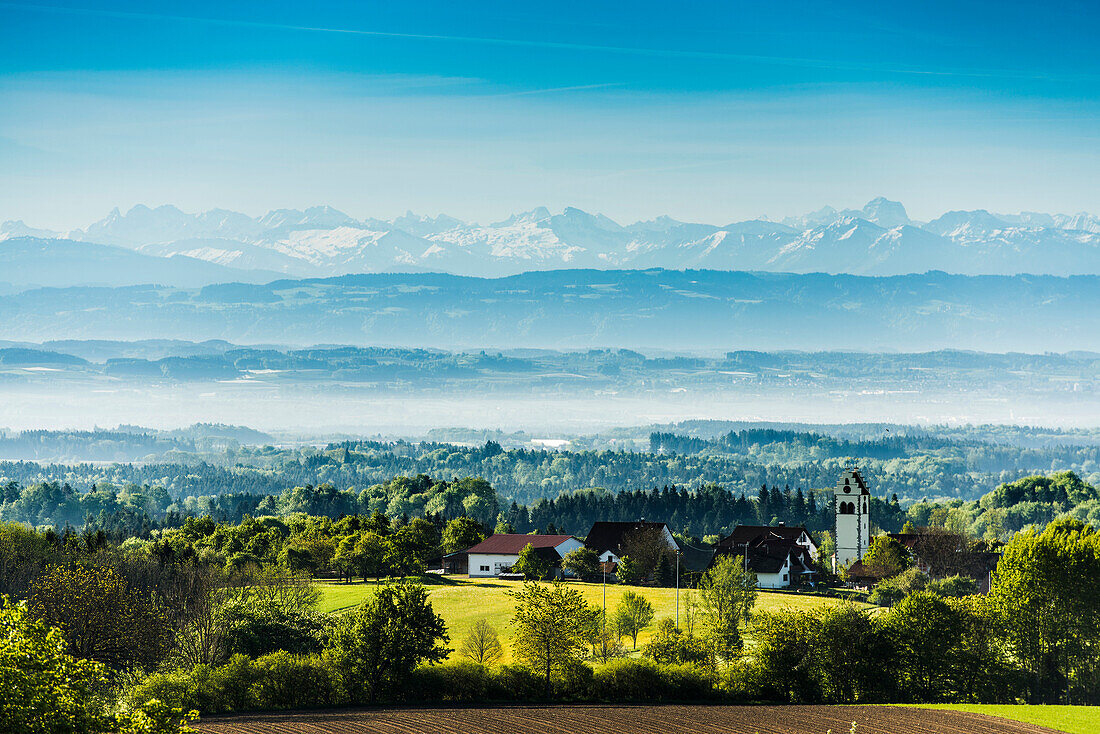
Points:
(484, 568)
(784, 577)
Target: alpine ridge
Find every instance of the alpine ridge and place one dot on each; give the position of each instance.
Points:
(879, 239)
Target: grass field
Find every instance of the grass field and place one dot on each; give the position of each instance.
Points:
(1070, 719)
(461, 602)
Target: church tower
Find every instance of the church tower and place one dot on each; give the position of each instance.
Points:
(852, 523)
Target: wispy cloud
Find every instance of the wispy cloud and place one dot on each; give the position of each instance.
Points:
(555, 90)
(831, 64)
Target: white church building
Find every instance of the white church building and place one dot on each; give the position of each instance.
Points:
(852, 523)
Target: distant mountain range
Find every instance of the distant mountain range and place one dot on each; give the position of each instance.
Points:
(579, 309)
(879, 239)
(30, 262)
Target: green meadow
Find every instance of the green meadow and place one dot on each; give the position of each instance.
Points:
(1070, 719)
(462, 601)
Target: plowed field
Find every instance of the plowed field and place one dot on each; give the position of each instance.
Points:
(626, 719)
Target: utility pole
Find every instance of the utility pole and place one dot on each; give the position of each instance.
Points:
(677, 588)
(603, 567)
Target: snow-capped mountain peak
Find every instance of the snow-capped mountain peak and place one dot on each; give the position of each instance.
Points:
(877, 239)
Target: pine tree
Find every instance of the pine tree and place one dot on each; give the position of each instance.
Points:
(666, 575)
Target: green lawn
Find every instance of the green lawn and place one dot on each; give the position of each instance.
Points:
(1070, 719)
(461, 602)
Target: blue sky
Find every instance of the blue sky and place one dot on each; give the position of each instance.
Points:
(712, 111)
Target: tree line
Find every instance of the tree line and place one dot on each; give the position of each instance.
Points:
(198, 637)
(962, 468)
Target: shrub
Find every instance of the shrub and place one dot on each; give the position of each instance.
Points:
(207, 689)
(573, 680)
(282, 681)
(268, 631)
(184, 689)
(890, 591)
(458, 680)
(630, 679)
(45, 689)
(956, 586)
(522, 683)
(155, 717)
(627, 679)
(741, 681)
(670, 646)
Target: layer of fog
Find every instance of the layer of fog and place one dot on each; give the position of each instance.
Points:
(295, 410)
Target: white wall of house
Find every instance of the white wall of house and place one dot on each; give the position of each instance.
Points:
(779, 580)
(807, 542)
(772, 580)
(490, 564)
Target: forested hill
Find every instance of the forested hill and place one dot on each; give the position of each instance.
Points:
(678, 310)
(914, 468)
(811, 445)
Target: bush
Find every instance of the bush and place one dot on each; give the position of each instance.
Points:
(45, 689)
(275, 681)
(956, 586)
(184, 689)
(256, 634)
(155, 717)
(670, 646)
(630, 679)
(741, 681)
(573, 680)
(890, 591)
(459, 680)
(886, 594)
(285, 681)
(521, 683)
(205, 688)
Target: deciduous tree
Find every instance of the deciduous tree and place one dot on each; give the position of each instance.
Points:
(482, 645)
(886, 557)
(1046, 594)
(381, 642)
(632, 615)
(552, 623)
(727, 593)
(532, 565)
(101, 617)
(582, 562)
(461, 533)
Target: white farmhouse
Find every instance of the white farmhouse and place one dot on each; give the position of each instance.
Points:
(497, 553)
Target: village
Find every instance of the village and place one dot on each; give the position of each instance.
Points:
(779, 556)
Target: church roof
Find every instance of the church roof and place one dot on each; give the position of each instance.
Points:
(851, 482)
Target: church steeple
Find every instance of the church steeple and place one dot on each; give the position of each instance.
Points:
(852, 520)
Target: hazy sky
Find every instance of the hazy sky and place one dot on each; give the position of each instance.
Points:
(712, 111)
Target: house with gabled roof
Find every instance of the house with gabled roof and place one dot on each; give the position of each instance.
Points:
(498, 553)
(781, 556)
(607, 538)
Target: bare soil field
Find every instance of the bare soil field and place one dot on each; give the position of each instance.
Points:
(626, 719)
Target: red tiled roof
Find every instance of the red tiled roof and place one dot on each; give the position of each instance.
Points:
(508, 544)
